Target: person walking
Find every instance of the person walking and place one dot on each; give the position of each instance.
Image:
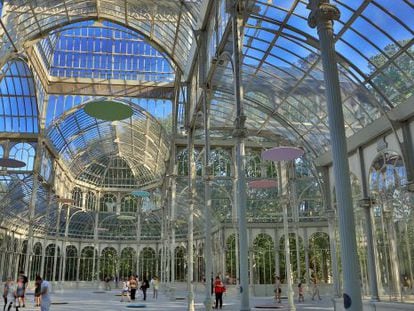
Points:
(219, 290)
(144, 286)
(300, 293)
(25, 281)
(125, 290)
(155, 287)
(278, 290)
(9, 294)
(37, 294)
(315, 289)
(44, 292)
(133, 285)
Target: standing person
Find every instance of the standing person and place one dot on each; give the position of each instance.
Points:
(125, 290)
(9, 293)
(278, 290)
(300, 293)
(25, 283)
(219, 289)
(156, 285)
(315, 289)
(133, 285)
(20, 292)
(37, 293)
(44, 292)
(144, 286)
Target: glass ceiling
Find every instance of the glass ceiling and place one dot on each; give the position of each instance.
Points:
(88, 145)
(103, 51)
(281, 72)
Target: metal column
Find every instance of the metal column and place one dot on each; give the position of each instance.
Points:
(190, 234)
(366, 205)
(240, 134)
(322, 16)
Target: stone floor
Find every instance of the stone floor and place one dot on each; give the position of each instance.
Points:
(88, 299)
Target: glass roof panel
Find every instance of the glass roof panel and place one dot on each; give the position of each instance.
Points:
(18, 105)
(103, 51)
(84, 142)
(168, 24)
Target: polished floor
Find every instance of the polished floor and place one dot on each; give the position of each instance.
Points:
(89, 299)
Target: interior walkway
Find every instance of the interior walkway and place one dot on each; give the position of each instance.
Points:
(88, 299)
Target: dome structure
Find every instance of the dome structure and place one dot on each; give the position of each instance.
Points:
(212, 85)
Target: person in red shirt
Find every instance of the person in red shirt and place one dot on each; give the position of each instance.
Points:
(219, 289)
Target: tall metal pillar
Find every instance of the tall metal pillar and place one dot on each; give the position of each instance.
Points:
(95, 270)
(78, 264)
(32, 205)
(64, 242)
(331, 217)
(55, 255)
(277, 258)
(306, 247)
(322, 16)
(366, 206)
(240, 133)
(190, 234)
(332, 244)
(208, 176)
(395, 269)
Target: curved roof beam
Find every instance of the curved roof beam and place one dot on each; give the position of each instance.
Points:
(167, 24)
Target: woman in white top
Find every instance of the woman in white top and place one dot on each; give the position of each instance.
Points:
(125, 290)
(9, 294)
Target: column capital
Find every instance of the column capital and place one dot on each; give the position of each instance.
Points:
(240, 130)
(322, 10)
(366, 202)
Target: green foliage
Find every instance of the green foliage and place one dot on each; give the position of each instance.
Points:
(394, 80)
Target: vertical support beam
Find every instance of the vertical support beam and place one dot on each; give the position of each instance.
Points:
(331, 216)
(78, 264)
(306, 246)
(277, 256)
(366, 206)
(54, 278)
(322, 16)
(64, 242)
(395, 268)
(208, 174)
(32, 204)
(332, 244)
(285, 173)
(240, 133)
(190, 235)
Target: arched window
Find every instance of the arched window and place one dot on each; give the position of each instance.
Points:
(253, 164)
(24, 152)
(128, 263)
(221, 160)
(18, 106)
(107, 203)
(71, 263)
(320, 256)
(263, 259)
(90, 201)
(109, 263)
(180, 264)
(36, 260)
(77, 197)
(129, 204)
(86, 263)
(148, 262)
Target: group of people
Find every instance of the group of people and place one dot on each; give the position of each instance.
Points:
(131, 284)
(14, 293)
(301, 296)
